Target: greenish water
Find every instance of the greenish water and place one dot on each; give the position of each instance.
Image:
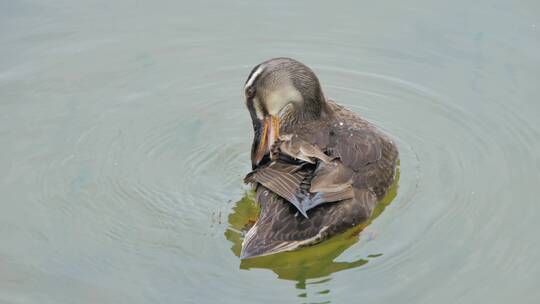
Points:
(124, 141)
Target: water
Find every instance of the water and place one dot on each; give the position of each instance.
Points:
(124, 142)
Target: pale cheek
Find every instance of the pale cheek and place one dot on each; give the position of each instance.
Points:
(277, 100)
(256, 106)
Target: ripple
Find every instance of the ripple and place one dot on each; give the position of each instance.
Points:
(441, 160)
(125, 140)
(163, 186)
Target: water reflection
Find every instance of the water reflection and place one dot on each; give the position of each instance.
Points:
(308, 263)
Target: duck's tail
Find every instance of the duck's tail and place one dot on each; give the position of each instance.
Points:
(256, 244)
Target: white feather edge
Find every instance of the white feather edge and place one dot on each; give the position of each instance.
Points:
(284, 246)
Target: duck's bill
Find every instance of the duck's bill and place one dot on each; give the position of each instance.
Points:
(267, 135)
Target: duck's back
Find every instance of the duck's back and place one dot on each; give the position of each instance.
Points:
(369, 156)
(363, 148)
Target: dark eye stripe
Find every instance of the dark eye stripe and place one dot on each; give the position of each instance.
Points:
(251, 109)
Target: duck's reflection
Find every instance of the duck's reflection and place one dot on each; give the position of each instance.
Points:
(308, 263)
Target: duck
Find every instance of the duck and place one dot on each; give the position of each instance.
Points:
(318, 169)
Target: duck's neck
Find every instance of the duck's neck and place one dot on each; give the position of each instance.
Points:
(304, 115)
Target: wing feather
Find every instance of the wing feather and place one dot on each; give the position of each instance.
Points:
(301, 183)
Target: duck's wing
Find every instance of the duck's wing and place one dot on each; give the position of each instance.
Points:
(313, 178)
(370, 155)
(282, 178)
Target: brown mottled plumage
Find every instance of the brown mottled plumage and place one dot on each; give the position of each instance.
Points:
(319, 169)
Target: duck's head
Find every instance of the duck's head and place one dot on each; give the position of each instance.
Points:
(280, 92)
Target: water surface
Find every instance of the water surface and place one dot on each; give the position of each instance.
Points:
(124, 142)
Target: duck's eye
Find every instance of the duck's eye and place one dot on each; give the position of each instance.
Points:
(250, 92)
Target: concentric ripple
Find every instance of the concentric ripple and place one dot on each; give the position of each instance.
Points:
(165, 181)
(125, 142)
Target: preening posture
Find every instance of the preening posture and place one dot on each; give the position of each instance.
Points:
(318, 168)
